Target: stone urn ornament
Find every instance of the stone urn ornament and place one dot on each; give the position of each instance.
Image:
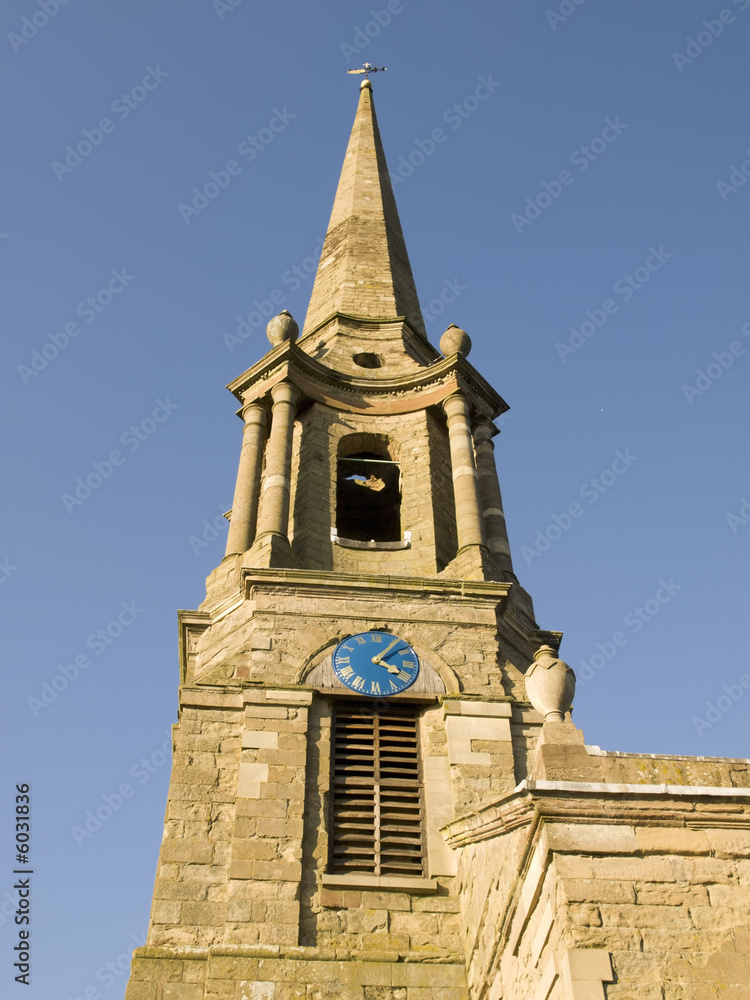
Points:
(282, 328)
(550, 685)
(455, 341)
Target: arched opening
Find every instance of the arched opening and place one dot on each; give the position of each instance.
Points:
(368, 360)
(368, 495)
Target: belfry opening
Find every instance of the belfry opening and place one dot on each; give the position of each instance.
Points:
(368, 495)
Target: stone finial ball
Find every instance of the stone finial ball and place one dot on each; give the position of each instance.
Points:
(455, 341)
(282, 328)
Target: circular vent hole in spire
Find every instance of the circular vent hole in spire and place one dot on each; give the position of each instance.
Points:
(367, 360)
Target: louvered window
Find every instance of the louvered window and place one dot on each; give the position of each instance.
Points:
(377, 816)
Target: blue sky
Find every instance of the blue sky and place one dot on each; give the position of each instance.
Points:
(591, 213)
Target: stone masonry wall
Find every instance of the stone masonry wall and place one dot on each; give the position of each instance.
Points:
(258, 973)
(625, 894)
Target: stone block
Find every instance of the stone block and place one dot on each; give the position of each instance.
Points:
(592, 838)
(426, 975)
(264, 807)
(265, 712)
(340, 898)
(729, 843)
(274, 826)
(623, 868)
(171, 889)
(140, 991)
(182, 991)
(262, 850)
(386, 900)
(383, 942)
(597, 891)
(436, 904)
(241, 869)
(588, 963)
(282, 871)
(157, 970)
(671, 840)
(436, 992)
(251, 779)
(500, 710)
(194, 851)
(204, 913)
(165, 911)
(257, 738)
(414, 923)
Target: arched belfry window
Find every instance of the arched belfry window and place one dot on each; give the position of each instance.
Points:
(368, 493)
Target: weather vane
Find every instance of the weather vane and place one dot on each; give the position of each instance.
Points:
(368, 68)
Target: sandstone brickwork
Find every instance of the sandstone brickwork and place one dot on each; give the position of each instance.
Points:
(537, 868)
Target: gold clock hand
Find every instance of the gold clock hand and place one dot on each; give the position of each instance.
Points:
(379, 657)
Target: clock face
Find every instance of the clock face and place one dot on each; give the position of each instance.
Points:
(377, 664)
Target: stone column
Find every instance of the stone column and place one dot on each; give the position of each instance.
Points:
(465, 486)
(489, 492)
(274, 517)
(247, 490)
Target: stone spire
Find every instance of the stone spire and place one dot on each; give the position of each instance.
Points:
(364, 268)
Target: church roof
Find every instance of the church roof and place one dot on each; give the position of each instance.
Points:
(364, 268)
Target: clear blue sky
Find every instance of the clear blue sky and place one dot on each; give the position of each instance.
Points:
(611, 146)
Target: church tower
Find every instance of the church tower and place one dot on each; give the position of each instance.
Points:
(374, 747)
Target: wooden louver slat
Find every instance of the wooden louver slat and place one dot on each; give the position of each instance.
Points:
(377, 819)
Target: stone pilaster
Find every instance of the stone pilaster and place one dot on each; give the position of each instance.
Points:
(271, 546)
(247, 490)
(472, 550)
(491, 498)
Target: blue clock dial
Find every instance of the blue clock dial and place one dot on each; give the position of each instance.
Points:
(377, 664)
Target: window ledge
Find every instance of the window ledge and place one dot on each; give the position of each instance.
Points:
(353, 543)
(384, 883)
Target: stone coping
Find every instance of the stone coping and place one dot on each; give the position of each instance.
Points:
(298, 953)
(493, 590)
(599, 802)
(596, 751)
(388, 883)
(614, 788)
